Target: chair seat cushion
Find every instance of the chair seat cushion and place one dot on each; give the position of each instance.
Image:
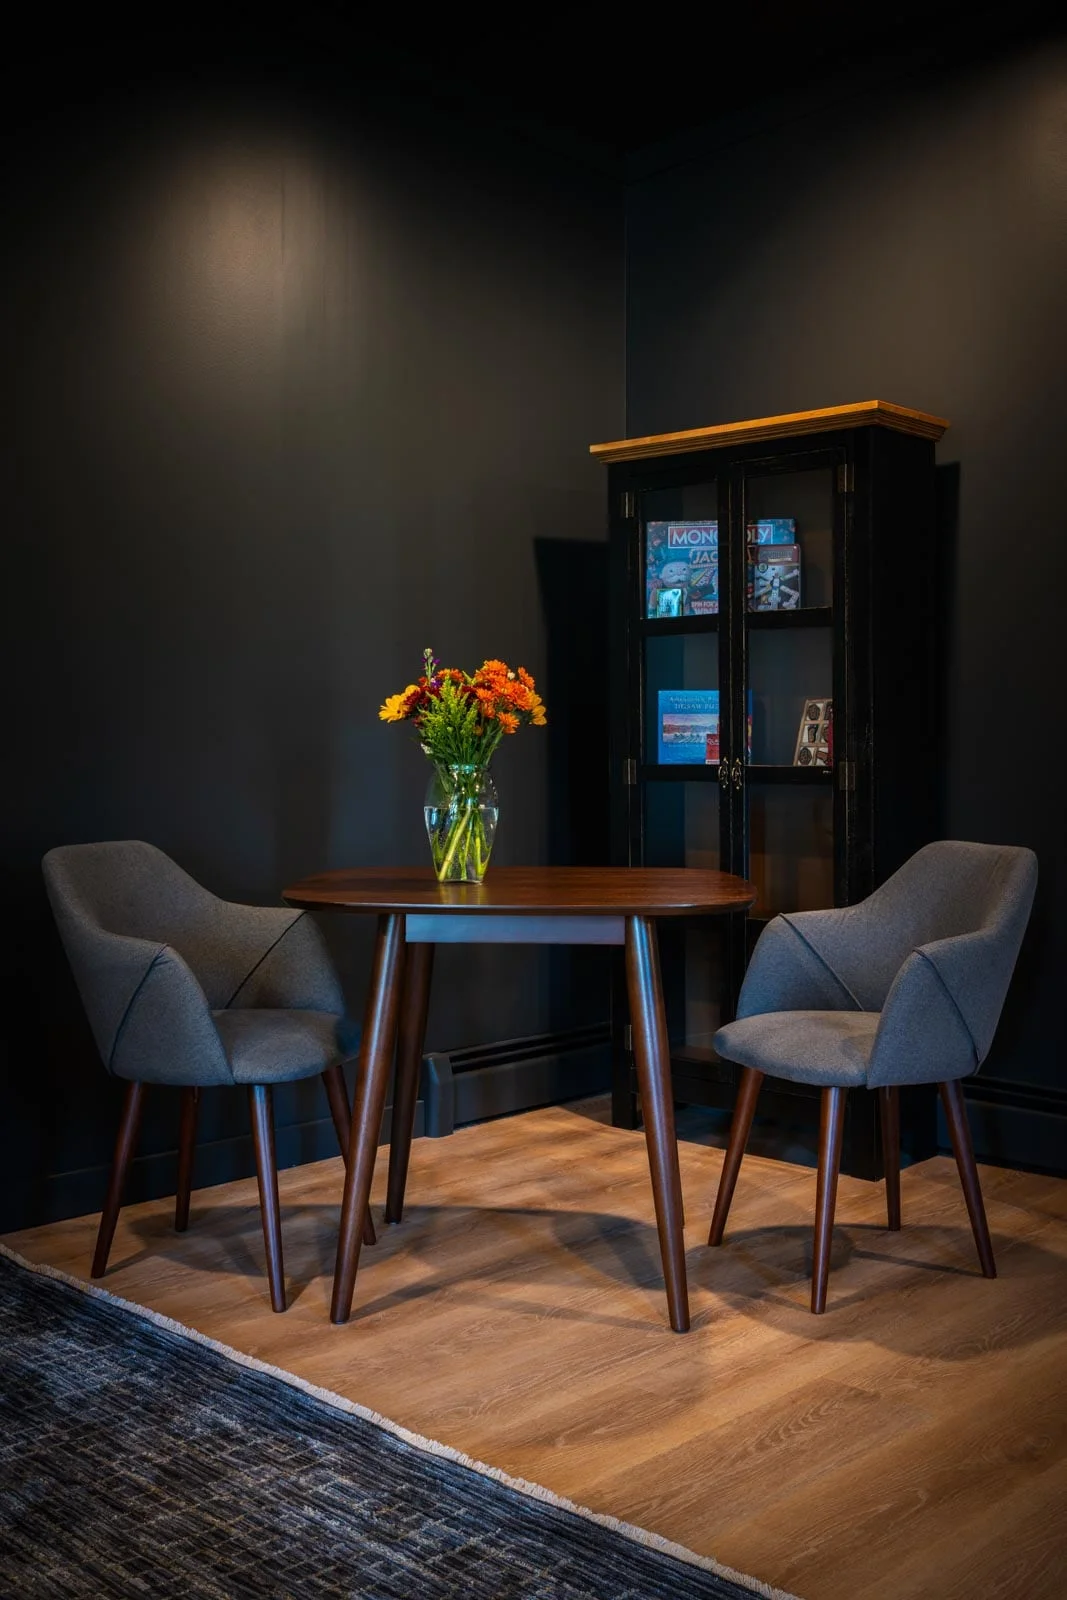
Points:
(266, 1046)
(828, 1048)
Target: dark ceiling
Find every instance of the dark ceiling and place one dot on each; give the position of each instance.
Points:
(584, 80)
(617, 88)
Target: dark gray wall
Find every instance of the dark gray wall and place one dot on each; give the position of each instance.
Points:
(301, 380)
(905, 238)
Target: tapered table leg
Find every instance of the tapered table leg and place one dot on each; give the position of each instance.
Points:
(341, 1112)
(376, 1060)
(652, 1058)
(411, 1034)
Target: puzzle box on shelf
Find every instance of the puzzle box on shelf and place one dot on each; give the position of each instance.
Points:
(815, 737)
(688, 726)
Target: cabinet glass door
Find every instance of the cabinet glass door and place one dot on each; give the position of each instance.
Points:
(792, 528)
(679, 671)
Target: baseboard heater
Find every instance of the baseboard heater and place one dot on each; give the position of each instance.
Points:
(495, 1080)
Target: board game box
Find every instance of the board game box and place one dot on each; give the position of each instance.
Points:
(772, 530)
(774, 577)
(681, 568)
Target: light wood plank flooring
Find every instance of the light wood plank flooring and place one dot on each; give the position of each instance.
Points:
(911, 1442)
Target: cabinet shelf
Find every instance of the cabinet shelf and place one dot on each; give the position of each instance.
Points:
(658, 627)
(671, 627)
(693, 772)
(803, 617)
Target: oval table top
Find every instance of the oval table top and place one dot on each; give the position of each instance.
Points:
(529, 891)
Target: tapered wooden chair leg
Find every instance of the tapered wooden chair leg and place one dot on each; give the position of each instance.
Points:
(889, 1109)
(831, 1129)
(186, 1152)
(341, 1112)
(125, 1144)
(960, 1133)
(259, 1097)
(744, 1110)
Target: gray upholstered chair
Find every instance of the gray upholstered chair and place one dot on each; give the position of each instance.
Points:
(905, 987)
(182, 988)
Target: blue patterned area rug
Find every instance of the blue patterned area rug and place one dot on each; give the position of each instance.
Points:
(138, 1458)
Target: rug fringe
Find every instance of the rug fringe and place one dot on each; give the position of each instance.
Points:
(533, 1491)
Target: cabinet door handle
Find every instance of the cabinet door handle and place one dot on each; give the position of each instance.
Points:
(738, 774)
(724, 775)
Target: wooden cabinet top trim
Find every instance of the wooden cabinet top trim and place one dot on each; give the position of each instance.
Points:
(829, 419)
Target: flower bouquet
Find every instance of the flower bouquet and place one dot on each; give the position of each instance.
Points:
(459, 719)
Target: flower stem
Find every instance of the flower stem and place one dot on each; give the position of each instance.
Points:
(456, 832)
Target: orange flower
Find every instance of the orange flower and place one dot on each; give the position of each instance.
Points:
(397, 706)
(508, 721)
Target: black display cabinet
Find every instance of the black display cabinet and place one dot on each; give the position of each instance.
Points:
(774, 707)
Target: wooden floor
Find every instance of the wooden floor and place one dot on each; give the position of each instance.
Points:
(910, 1442)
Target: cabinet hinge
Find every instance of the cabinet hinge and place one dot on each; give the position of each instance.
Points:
(627, 1037)
(846, 477)
(628, 505)
(629, 772)
(846, 775)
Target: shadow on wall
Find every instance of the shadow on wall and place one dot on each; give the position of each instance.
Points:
(947, 514)
(573, 581)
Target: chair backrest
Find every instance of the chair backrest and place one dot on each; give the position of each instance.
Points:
(117, 905)
(985, 891)
(124, 886)
(952, 887)
(129, 888)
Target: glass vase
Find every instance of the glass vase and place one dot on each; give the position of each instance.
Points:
(461, 810)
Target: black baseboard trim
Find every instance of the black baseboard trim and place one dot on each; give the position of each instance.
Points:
(1014, 1125)
(497, 1080)
(76, 1194)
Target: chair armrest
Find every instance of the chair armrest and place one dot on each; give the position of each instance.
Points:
(976, 969)
(168, 1034)
(923, 1036)
(108, 970)
(787, 973)
(148, 1014)
(943, 1008)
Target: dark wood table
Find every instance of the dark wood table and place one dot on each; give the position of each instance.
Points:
(515, 905)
